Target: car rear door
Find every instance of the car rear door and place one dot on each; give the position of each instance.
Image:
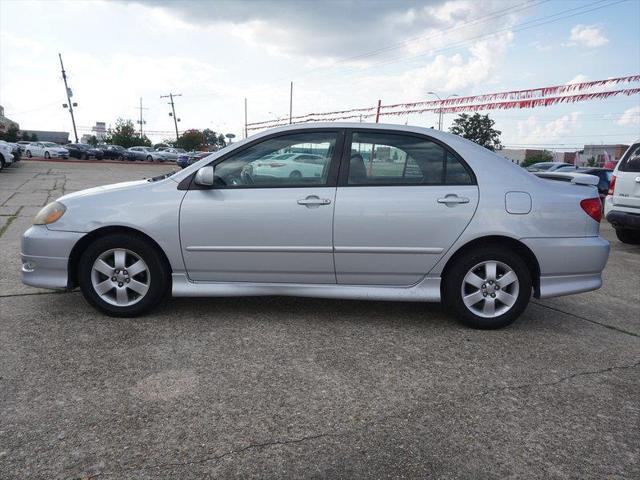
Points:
(627, 187)
(253, 228)
(402, 201)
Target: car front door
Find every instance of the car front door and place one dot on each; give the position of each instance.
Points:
(262, 228)
(402, 201)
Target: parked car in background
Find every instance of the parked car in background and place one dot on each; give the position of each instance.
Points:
(113, 152)
(549, 166)
(23, 145)
(446, 220)
(46, 150)
(83, 151)
(146, 153)
(186, 159)
(294, 165)
(172, 153)
(6, 157)
(15, 150)
(622, 204)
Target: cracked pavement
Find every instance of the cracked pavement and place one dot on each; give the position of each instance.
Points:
(307, 388)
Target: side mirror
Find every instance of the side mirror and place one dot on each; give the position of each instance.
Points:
(204, 177)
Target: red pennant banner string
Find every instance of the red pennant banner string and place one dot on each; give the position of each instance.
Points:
(538, 97)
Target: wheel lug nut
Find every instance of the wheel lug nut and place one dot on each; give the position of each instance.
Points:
(119, 284)
(127, 280)
(484, 294)
(493, 295)
(113, 279)
(124, 272)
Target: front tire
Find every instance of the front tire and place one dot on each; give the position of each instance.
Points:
(28, 153)
(625, 235)
(123, 275)
(488, 288)
(149, 158)
(47, 155)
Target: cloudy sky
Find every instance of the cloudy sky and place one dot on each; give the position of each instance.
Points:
(339, 54)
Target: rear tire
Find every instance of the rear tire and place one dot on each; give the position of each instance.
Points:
(28, 153)
(47, 155)
(1, 162)
(149, 158)
(295, 174)
(625, 235)
(109, 286)
(478, 280)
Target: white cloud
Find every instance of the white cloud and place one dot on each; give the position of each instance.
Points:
(631, 116)
(580, 78)
(587, 36)
(532, 131)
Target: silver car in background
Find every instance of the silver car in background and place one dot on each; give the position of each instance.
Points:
(397, 213)
(145, 153)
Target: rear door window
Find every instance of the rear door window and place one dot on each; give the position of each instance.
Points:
(631, 160)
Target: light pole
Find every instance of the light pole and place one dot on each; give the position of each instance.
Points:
(440, 109)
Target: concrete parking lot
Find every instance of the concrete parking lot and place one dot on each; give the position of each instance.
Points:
(307, 388)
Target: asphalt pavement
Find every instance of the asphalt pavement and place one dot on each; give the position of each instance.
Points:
(307, 388)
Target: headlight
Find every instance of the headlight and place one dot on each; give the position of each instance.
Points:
(49, 214)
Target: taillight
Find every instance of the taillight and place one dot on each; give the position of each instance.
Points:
(593, 208)
(612, 185)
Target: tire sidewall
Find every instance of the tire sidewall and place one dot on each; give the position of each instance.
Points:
(159, 276)
(461, 266)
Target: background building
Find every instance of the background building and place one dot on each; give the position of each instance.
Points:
(6, 123)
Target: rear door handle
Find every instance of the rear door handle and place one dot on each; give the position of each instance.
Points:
(453, 199)
(314, 201)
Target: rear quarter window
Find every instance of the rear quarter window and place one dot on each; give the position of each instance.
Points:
(631, 160)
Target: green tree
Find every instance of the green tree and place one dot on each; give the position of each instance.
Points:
(213, 139)
(592, 162)
(125, 134)
(477, 128)
(93, 140)
(544, 156)
(191, 140)
(34, 137)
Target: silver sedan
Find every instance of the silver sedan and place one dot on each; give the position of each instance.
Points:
(397, 213)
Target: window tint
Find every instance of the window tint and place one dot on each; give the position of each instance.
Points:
(388, 159)
(290, 160)
(631, 160)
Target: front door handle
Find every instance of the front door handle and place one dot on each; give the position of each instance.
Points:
(313, 201)
(452, 199)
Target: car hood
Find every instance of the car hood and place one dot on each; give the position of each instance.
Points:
(89, 192)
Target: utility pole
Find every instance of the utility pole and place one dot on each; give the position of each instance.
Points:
(173, 110)
(141, 121)
(246, 131)
(290, 102)
(69, 95)
(378, 111)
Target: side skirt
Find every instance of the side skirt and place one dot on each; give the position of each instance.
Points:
(428, 290)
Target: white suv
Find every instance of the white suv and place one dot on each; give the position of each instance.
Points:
(622, 205)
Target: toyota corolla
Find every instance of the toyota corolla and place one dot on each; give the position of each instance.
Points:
(397, 213)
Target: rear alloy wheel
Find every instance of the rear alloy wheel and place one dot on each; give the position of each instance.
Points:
(295, 174)
(28, 153)
(488, 288)
(122, 275)
(625, 235)
(149, 158)
(47, 155)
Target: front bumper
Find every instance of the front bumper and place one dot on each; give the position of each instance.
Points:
(569, 265)
(45, 256)
(624, 219)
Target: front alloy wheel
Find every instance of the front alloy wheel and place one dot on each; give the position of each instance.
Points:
(123, 275)
(120, 277)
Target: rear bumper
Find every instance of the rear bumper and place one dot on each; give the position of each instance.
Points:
(624, 219)
(45, 257)
(569, 265)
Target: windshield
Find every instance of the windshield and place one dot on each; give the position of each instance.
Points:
(49, 144)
